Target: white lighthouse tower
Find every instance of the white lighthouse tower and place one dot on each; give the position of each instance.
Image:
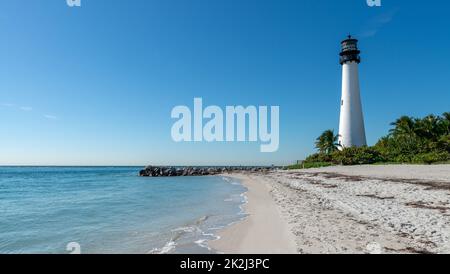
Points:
(351, 124)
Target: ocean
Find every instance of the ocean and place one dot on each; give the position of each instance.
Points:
(112, 210)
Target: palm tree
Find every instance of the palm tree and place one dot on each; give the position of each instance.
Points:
(404, 126)
(446, 115)
(446, 121)
(327, 142)
(429, 127)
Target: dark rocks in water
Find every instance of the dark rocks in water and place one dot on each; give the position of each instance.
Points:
(159, 171)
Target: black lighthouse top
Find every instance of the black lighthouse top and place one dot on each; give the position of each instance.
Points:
(349, 51)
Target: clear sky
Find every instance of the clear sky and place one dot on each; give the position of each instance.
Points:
(95, 85)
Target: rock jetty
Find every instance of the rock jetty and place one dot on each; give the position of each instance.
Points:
(160, 171)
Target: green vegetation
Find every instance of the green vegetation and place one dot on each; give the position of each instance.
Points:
(310, 165)
(357, 156)
(327, 143)
(411, 140)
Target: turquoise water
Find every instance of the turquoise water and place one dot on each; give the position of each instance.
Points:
(112, 210)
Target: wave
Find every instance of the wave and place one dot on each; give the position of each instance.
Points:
(232, 181)
(189, 229)
(168, 247)
(198, 233)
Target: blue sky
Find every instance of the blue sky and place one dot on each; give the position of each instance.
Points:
(95, 85)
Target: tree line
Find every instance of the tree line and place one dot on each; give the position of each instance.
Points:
(411, 140)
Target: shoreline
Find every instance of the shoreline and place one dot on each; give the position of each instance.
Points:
(262, 231)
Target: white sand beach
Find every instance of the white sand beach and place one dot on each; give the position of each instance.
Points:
(264, 220)
(358, 209)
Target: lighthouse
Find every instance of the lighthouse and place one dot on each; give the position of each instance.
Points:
(351, 124)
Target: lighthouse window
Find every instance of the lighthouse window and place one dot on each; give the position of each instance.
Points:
(349, 47)
(342, 102)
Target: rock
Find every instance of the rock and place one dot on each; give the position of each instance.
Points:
(154, 171)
